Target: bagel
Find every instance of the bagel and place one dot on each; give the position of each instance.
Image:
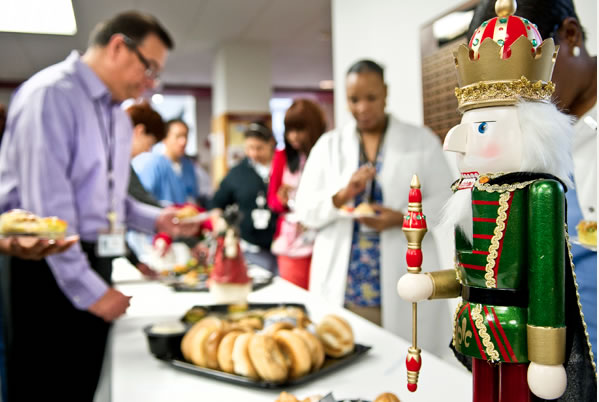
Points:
(203, 347)
(296, 350)
(224, 353)
(314, 346)
(294, 314)
(242, 364)
(277, 326)
(286, 397)
(204, 322)
(267, 358)
(251, 322)
(336, 335)
(387, 397)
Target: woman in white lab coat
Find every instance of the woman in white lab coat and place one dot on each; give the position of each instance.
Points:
(357, 263)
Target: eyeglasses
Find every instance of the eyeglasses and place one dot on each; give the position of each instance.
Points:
(151, 72)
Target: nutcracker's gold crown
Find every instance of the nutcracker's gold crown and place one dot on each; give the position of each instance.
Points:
(503, 63)
(492, 80)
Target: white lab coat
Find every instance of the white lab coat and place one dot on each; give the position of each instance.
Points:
(584, 152)
(407, 150)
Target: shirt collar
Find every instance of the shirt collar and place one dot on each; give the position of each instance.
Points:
(91, 82)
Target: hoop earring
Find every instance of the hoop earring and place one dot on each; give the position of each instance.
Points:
(575, 51)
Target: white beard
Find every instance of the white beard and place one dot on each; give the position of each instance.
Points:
(457, 212)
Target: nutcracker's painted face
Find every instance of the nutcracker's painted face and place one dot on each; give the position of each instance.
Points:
(489, 140)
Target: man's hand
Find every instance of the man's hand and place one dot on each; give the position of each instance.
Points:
(385, 218)
(167, 223)
(356, 185)
(111, 305)
(33, 248)
(146, 270)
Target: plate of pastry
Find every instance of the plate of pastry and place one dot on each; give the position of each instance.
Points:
(363, 210)
(587, 235)
(18, 222)
(260, 345)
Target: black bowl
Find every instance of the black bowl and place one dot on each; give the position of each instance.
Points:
(164, 346)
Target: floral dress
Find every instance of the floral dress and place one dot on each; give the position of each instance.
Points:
(363, 276)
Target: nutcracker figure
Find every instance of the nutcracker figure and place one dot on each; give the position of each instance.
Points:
(519, 325)
(229, 281)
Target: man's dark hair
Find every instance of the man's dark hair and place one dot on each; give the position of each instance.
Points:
(548, 16)
(173, 121)
(366, 66)
(258, 130)
(143, 113)
(134, 25)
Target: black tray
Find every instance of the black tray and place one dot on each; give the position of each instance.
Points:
(330, 365)
(258, 282)
(168, 350)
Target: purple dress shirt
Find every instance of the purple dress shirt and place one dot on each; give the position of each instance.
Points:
(54, 159)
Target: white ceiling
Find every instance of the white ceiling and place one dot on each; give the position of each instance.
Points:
(299, 32)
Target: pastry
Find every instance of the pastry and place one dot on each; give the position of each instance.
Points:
(314, 346)
(587, 232)
(387, 397)
(18, 221)
(336, 335)
(286, 397)
(296, 351)
(364, 209)
(242, 363)
(224, 353)
(188, 211)
(267, 358)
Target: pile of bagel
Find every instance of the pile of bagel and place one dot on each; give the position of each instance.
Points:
(274, 346)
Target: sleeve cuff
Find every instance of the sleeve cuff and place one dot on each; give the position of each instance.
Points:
(82, 285)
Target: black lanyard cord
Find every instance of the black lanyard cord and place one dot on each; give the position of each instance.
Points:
(370, 187)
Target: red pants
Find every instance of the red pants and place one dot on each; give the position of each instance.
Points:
(503, 383)
(295, 270)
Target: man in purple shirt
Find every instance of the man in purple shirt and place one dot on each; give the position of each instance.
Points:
(66, 152)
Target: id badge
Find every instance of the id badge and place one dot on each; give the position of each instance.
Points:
(111, 243)
(260, 218)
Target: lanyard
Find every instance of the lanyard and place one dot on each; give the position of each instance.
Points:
(108, 141)
(370, 186)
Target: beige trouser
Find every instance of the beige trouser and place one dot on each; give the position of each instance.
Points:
(372, 314)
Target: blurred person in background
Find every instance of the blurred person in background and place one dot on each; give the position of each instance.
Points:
(168, 175)
(356, 263)
(246, 186)
(575, 79)
(304, 124)
(66, 153)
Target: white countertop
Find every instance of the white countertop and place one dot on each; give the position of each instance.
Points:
(135, 375)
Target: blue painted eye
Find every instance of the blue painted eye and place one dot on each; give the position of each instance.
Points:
(482, 127)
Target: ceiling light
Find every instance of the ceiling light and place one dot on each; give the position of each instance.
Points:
(326, 84)
(54, 17)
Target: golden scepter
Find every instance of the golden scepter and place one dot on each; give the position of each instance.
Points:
(414, 227)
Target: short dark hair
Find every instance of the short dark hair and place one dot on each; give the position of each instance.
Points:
(366, 66)
(303, 114)
(547, 17)
(174, 121)
(133, 24)
(142, 113)
(258, 130)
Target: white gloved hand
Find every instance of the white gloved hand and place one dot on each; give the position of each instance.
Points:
(547, 381)
(415, 287)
